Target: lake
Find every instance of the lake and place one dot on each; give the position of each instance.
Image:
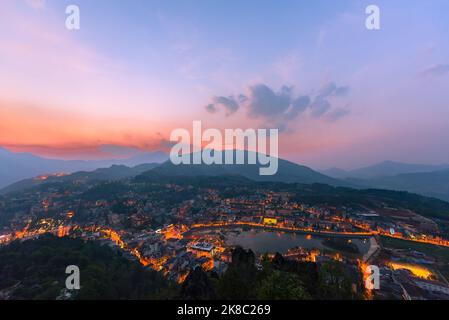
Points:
(262, 241)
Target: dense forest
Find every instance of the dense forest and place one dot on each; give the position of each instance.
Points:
(35, 269)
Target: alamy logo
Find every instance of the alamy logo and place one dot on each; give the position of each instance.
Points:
(72, 21)
(372, 21)
(191, 151)
(372, 281)
(72, 282)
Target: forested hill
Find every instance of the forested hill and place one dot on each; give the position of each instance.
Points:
(35, 269)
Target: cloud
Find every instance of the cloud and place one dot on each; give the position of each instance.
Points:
(88, 150)
(242, 98)
(342, 91)
(263, 101)
(228, 103)
(322, 107)
(211, 108)
(51, 132)
(327, 90)
(330, 89)
(336, 114)
(435, 70)
(319, 107)
(299, 105)
(277, 109)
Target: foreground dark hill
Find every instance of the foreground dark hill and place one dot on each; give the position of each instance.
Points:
(288, 172)
(35, 270)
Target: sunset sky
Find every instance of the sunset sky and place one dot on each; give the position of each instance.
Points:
(341, 95)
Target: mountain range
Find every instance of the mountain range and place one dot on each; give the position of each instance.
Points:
(115, 172)
(17, 166)
(428, 180)
(288, 172)
(383, 169)
(432, 184)
(16, 170)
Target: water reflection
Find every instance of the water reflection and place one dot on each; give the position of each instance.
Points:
(262, 241)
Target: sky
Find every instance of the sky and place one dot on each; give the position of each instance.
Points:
(340, 94)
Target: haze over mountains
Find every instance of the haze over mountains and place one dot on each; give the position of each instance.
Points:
(433, 184)
(383, 169)
(428, 180)
(18, 166)
(115, 172)
(287, 172)
(18, 169)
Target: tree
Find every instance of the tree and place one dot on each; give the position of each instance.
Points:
(334, 282)
(240, 280)
(281, 285)
(197, 286)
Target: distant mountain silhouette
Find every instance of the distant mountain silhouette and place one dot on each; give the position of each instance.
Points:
(288, 172)
(115, 172)
(336, 173)
(18, 166)
(383, 169)
(433, 184)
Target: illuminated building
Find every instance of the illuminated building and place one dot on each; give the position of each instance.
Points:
(270, 221)
(202, 249)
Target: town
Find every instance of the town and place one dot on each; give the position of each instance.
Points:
(174, 227)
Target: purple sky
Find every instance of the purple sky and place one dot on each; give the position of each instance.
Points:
(342, 95)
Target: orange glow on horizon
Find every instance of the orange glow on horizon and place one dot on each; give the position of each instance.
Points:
(71, 135)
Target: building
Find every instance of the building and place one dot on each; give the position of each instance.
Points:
(270, 221)
(202, 249)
